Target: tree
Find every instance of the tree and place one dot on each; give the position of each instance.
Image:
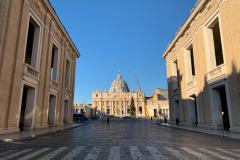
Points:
(132, 108)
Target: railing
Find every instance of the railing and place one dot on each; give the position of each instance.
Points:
(217, 72)
(30, 71)
(191, 84)
(54, 84)
(68, 91)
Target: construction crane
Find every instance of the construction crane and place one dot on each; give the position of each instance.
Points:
(138, 84)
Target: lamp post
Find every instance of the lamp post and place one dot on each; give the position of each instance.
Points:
(223, 122)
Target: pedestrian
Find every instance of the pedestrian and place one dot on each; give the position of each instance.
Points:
(177, 121)
(107, 120)
(165, 119)
(151, 118)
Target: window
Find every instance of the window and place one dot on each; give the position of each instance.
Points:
(214, 43)
(217, 43)
(190, 60)
(175, 75)
(32, 43)
(54, 63)
(140, 110)
(67, 74)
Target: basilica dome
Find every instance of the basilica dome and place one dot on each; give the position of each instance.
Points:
(119, 85)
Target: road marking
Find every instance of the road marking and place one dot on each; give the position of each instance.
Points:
(196, 154)
(73, 153)
(53, 153)
(176, 153)
(114, 153)
(17, 154)
(93, 153)
(33, 154)
(135, 153)
(155, 153)
(227, 152)
(215, 154)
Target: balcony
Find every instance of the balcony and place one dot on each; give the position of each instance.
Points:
(54, 84)
(191, 86)
(216, 74)
(30, 71)
(67, 91)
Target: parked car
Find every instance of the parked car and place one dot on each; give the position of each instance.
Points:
(126, 117)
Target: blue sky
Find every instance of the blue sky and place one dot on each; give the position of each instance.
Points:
(127, 36)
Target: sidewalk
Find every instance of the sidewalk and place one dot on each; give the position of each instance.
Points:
(38, 132)
(222, 133)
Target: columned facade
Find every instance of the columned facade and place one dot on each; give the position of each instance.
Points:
(117, 100)
(37, 67)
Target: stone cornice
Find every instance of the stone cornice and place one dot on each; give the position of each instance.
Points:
(53, 13)
(199, 6)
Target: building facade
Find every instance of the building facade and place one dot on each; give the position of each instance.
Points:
(116, 101)
(157, 105)
(37, 67)
(84, 109)
(203, 67)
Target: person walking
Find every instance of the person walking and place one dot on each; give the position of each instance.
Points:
(177, 121)
(108, 120)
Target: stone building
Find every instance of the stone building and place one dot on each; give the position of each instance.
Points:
(203, 67)
(157, 105)
(84, 109)
(37, 67)
(116, 101)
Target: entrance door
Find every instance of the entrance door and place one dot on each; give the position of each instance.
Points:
(192, 110)
(65, 115)
(27, 108)
(51, 110)
(220, 108)
(225, 114)
(155, 112)
(176, 110)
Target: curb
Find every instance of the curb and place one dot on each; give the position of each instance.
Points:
(34, 134)
(201, 131)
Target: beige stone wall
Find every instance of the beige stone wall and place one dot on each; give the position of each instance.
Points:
(158, 102)
(14, 73)
(208, 78)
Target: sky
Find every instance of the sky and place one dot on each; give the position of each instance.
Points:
(126, 36)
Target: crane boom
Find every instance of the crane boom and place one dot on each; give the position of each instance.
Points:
(139, 87)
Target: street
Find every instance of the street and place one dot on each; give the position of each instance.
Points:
(122, 139)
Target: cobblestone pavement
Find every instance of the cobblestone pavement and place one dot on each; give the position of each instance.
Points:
(122, 139)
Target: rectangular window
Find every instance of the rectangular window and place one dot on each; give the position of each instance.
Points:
(175, 75)
(217, 43)
(192, 60)
(214, 43)
(54, 63)
(67, 74)
(190, 63)
(32, 43)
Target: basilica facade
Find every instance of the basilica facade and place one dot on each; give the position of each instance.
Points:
(116, 101)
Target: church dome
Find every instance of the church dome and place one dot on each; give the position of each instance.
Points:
(119, 85)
